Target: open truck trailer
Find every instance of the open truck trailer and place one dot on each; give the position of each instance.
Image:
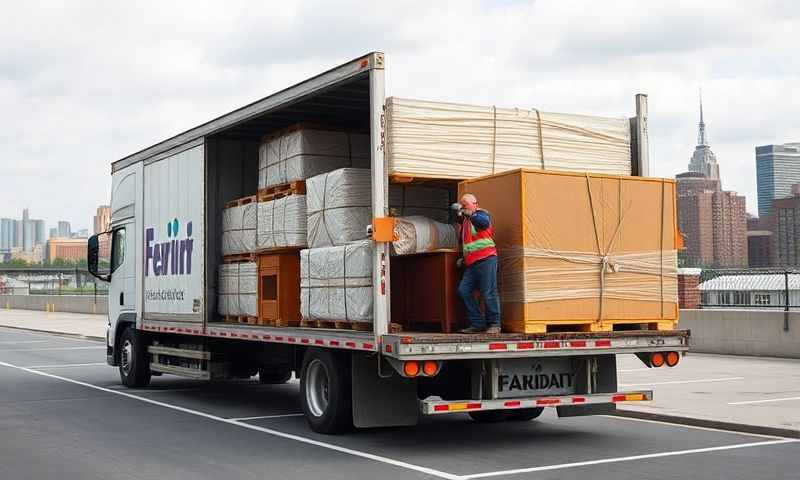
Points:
(164, 249)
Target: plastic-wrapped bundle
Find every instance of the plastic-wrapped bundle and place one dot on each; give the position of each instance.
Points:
(336, 283)
(338, 207)
(227, 292)
(420, 234)
(304, 152)
(239, 226)
(248, 289)
(448, 140)
(282, 222)
(409, 200)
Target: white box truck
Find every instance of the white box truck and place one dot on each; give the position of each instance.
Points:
(165, 251)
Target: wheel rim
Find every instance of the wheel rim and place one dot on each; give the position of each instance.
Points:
(317, 388)
(125, 356)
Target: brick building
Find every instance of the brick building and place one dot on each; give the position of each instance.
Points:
(695, 223)
(69, 249)
(759, 243)
(785, 223)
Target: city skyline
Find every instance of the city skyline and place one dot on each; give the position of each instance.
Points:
(109, 107)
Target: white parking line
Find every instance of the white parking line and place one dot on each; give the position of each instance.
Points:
(266, 416)
(68, 365)
(249, 426)
(676, 382)
(768, 400)
(50, 348)
(625, 459)
(17, 342)
(36, 333)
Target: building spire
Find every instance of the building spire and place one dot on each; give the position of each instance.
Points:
(701, 130)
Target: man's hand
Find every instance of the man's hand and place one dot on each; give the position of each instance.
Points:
(460, 262)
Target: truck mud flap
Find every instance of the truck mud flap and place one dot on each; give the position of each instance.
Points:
(382, 399)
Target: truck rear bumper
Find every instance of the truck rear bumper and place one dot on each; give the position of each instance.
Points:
(436, 407)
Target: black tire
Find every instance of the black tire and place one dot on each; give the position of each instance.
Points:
(325, 391)
(134, 364)
(274, 376)
(490, 416)
(525, 414)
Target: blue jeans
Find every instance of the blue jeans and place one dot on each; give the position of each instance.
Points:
(481, 276)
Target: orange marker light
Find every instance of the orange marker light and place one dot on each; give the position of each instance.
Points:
(673, 358)
(430, 368)
(657, 359)
(411, 369)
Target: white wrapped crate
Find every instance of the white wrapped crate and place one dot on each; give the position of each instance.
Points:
(248, 289)
(418, 234)
(448, 140)
(304, 152)
(336, 283)
(428, 201)
(227, 295)
(239, 229)
(338, 207)
(282, 222)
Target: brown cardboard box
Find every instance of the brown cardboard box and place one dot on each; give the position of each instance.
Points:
(557, 231)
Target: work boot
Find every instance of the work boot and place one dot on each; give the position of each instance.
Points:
(493, 329)
(473, 330)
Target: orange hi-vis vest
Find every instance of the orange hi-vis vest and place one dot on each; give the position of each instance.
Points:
(477, 244)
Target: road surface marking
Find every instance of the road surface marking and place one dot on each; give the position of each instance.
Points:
(627, 459)
(249, 426)
(17, 342)
(750, 402)
(50, 348)
(695, 427)
(68, 365)
(43, 334)
(266, 416)
(676, 382)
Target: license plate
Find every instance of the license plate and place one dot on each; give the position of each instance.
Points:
(522, 377)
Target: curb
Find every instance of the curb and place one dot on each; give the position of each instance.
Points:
(62, 334)
(715, 424)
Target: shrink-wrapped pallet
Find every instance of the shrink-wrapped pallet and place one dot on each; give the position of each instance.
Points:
(448, 140)
(336, 283)
(582, 250)
(248, 289)
(338, 207)
(239, 229)
(428, 201)
(228, 301)
(301, 153)
(238, 289)
(417, 234)
(282, 222)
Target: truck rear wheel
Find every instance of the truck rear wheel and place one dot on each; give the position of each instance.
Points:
(134, 369)
(325, 391)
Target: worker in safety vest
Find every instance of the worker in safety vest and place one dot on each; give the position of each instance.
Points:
(480, 262)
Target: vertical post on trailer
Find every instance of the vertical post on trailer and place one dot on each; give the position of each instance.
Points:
(642, 136)
(380, 186)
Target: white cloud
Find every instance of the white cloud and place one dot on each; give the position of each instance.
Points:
(85, 83)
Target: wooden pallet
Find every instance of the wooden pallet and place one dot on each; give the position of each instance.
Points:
(276, 250)
(240, 257)
(308, 323)
(280, 322)
(242, 201)
(406, 179)
(543, 326)
(240, 319)
(275, 192)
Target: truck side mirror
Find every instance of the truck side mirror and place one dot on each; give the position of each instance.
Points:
(97, 266)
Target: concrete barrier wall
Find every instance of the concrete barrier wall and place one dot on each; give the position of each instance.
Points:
(743, 332)
(56, 303)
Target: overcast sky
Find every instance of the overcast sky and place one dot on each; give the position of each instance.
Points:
(85, 83)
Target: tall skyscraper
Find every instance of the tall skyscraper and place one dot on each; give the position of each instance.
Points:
(39, 237)
(703, 159)
(102, 219)
(64, 229)
(7, 232)
(777, 169)
(713, 221)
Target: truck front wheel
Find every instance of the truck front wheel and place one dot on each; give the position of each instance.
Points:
(134, 369)
(325, 391)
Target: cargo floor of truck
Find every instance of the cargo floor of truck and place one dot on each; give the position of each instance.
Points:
(431, 338)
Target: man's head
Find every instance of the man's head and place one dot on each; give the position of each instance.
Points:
(469, 203)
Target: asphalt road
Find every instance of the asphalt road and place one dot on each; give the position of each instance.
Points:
(64, 415)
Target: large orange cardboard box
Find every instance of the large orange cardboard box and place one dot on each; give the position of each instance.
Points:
(582, 251)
